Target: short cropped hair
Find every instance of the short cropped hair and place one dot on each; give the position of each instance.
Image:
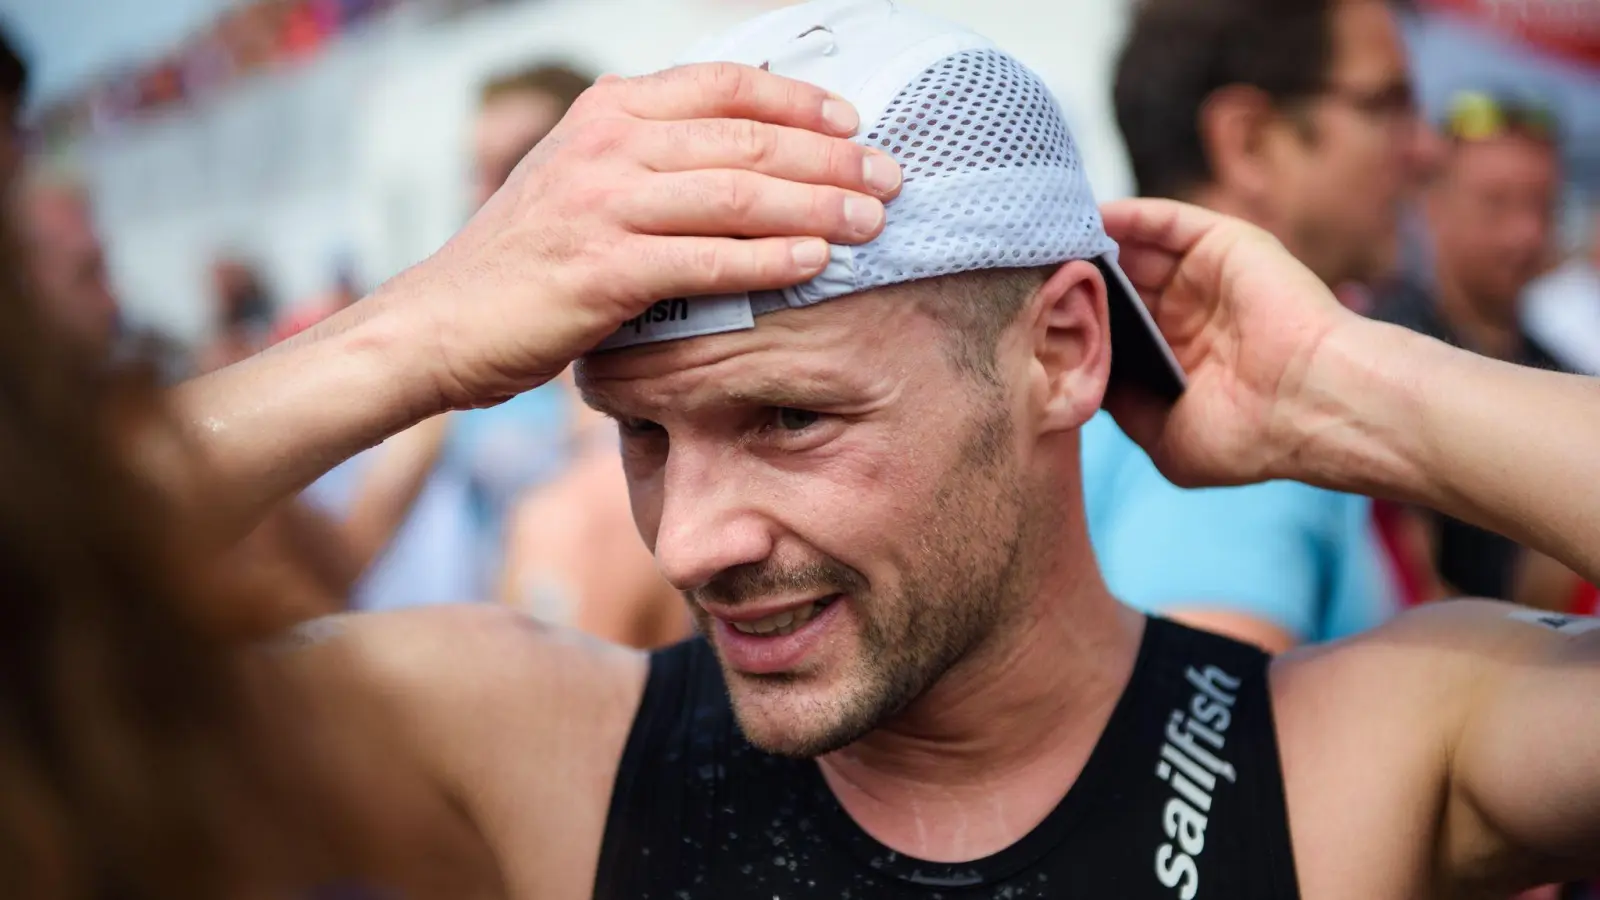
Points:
(974, 309)
(1180, 52)
(557, 80)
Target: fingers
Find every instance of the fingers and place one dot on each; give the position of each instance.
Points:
(792, 154)
(1159, 224)
(689, 266)
(734, 203)
(731, 91)
(1149, 269)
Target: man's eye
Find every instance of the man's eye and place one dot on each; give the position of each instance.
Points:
(790, 419)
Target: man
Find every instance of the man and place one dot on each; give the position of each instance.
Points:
(1295, 115)
(865, 478)
(515, 112)
(1491, 217)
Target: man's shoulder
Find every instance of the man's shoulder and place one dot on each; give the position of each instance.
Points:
(1423, 664)
(453, 666)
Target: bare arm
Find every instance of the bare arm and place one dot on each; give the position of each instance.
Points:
(1512, 449)
(1285, 383)
(266, 427)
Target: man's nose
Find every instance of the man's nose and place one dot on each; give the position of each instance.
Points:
(706, 525)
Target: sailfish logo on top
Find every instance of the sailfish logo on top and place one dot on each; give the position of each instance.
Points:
(1190, 764)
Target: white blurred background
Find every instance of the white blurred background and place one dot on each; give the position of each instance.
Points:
(357, 157)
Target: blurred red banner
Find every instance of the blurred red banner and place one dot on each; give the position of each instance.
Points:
(1566, 28)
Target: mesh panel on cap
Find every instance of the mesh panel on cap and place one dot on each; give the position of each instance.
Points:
(992, 179)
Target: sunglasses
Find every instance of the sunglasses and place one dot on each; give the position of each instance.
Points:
(1479, 116)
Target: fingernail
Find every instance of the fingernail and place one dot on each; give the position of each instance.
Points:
(881, 173)
(840, 116)
(810, 254)
(863, 213)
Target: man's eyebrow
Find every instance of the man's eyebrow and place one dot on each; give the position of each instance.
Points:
(801, 389)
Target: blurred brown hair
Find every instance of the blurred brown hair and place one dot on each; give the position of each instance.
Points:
(140, 757)
(556, 80)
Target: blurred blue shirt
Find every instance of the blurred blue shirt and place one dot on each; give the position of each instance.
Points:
(451, 546)
(1304, 559)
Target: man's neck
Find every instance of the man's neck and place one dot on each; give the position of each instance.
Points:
(1475, 329)
(987, 753)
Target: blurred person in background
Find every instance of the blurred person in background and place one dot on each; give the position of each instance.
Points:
(1491, 217)
(1562, 309)
(140, 757)
(572, 554)
(67, 258)
(515, 112)
(242, 313)
(1298, 116)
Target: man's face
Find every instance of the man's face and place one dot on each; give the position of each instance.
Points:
(1492, 214)
(1345, 167)
(508, 126)
(69, 263)
(852, 499)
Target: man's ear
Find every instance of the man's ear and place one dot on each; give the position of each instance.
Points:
(1070, 336)
(1234, 123)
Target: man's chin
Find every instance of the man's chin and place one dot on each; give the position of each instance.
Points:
(795, 726)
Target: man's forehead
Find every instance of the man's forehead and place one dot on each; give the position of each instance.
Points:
(840, 341)
(1368, 43)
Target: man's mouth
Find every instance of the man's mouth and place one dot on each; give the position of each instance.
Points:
(786, 622)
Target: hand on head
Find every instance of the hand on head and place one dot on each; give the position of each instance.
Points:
(700, 180)
(1244, 319)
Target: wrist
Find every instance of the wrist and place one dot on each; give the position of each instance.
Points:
(1356, 422)
(395, 337)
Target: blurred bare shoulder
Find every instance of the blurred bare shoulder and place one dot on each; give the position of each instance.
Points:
(447, 665)
(485, 724)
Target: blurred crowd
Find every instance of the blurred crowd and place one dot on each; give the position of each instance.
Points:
(1444, 224)
(244, 41)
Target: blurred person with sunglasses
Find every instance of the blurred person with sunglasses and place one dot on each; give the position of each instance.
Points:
(1299, 116)
(1490, 216)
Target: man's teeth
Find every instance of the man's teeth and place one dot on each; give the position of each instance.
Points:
(781, 623)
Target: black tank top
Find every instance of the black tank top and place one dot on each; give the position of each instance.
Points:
(1182, 798)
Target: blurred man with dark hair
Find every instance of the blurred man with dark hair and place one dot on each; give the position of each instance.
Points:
(515, 112)
(1491, 218)
(1297, 115)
